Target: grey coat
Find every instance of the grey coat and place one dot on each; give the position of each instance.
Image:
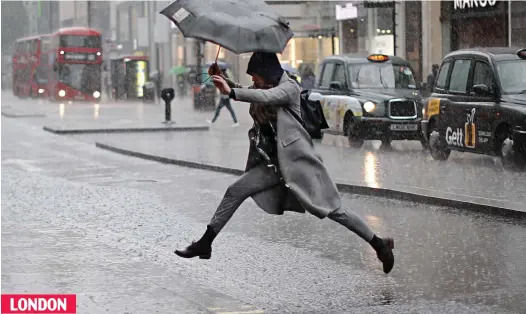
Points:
(311, 188)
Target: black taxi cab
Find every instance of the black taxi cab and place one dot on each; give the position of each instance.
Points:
(369, 97)
(478, 105)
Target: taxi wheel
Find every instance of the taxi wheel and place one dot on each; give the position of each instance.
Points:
(350, 127)
(437, 148)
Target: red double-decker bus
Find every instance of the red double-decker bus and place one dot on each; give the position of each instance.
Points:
(75, 57)
(29, 78)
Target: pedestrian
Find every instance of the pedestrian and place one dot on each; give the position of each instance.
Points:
(283, 171)
(224, 101)
(431, 78)
(293, 77)
(308, 78)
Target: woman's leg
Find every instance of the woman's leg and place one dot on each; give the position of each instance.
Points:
(349, 219)
(252, 182)
(383, 247)
(218, 110)
(228, 105)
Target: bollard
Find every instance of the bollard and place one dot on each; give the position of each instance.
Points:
(168, 95)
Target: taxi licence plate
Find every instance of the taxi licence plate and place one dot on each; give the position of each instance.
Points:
(404, 127)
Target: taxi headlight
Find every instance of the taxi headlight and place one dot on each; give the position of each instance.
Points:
(369, 106)
(96, 94)
(41, 91)
(62, 93)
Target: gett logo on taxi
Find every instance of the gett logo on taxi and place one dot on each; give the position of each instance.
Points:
(455, 138)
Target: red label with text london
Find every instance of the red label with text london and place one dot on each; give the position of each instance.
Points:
(39, 303)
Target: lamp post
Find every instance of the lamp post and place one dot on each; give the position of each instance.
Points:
(509, 23)
(88, 4)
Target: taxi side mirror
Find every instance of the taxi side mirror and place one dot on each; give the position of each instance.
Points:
(481, 90)
(336, 85)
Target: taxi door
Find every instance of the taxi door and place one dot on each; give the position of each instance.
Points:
(328, 101)
(482, 106)
(338, 96)
(457, 118)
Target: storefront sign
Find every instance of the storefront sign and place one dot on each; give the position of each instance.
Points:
(471, 4)
(347, 12)
(379, 4)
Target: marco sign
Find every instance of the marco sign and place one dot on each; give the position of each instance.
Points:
(471, 4)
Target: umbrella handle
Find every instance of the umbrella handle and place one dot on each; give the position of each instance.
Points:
(217, 55)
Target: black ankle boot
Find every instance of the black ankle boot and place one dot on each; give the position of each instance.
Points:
(384, 251)
(201, 248)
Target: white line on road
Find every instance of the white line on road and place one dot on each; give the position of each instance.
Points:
(24, 164)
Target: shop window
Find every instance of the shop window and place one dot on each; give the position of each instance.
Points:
(442, 76)
(482, 74)
(326, 77)
(459, 76)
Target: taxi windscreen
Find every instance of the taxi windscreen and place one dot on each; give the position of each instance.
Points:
(381, 75)
(512, 77)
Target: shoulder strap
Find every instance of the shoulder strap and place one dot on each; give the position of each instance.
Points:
(295, 115)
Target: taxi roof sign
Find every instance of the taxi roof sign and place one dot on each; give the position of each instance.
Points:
(378, 58)
(522, 53)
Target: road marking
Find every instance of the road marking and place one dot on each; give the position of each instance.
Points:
(225, 311)
(243, 312)
(24, 164)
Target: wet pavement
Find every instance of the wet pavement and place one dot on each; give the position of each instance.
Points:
(135, 212)
(404, 167)
(84, 115)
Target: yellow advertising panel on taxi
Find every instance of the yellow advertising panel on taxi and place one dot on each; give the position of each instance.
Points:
(522, 53)
(378, 58)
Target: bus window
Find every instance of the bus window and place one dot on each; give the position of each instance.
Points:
(80, 41)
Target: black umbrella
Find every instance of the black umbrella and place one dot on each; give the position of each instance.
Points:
(238, 25)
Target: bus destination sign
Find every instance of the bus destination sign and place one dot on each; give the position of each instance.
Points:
(74, 56)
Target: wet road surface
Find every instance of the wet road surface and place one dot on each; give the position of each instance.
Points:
(404, 166)
(446, 261)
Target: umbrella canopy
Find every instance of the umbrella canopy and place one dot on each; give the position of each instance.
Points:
(180, 70)
(289, 68)
(240, 26)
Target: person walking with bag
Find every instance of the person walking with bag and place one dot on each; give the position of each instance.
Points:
(283, 170)
(224, 102)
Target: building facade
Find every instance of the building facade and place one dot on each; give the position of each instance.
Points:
(483, 23)
(425, 31)
(43, 17)
(420, 31)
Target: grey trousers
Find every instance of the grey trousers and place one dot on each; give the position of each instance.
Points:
(261, 178)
